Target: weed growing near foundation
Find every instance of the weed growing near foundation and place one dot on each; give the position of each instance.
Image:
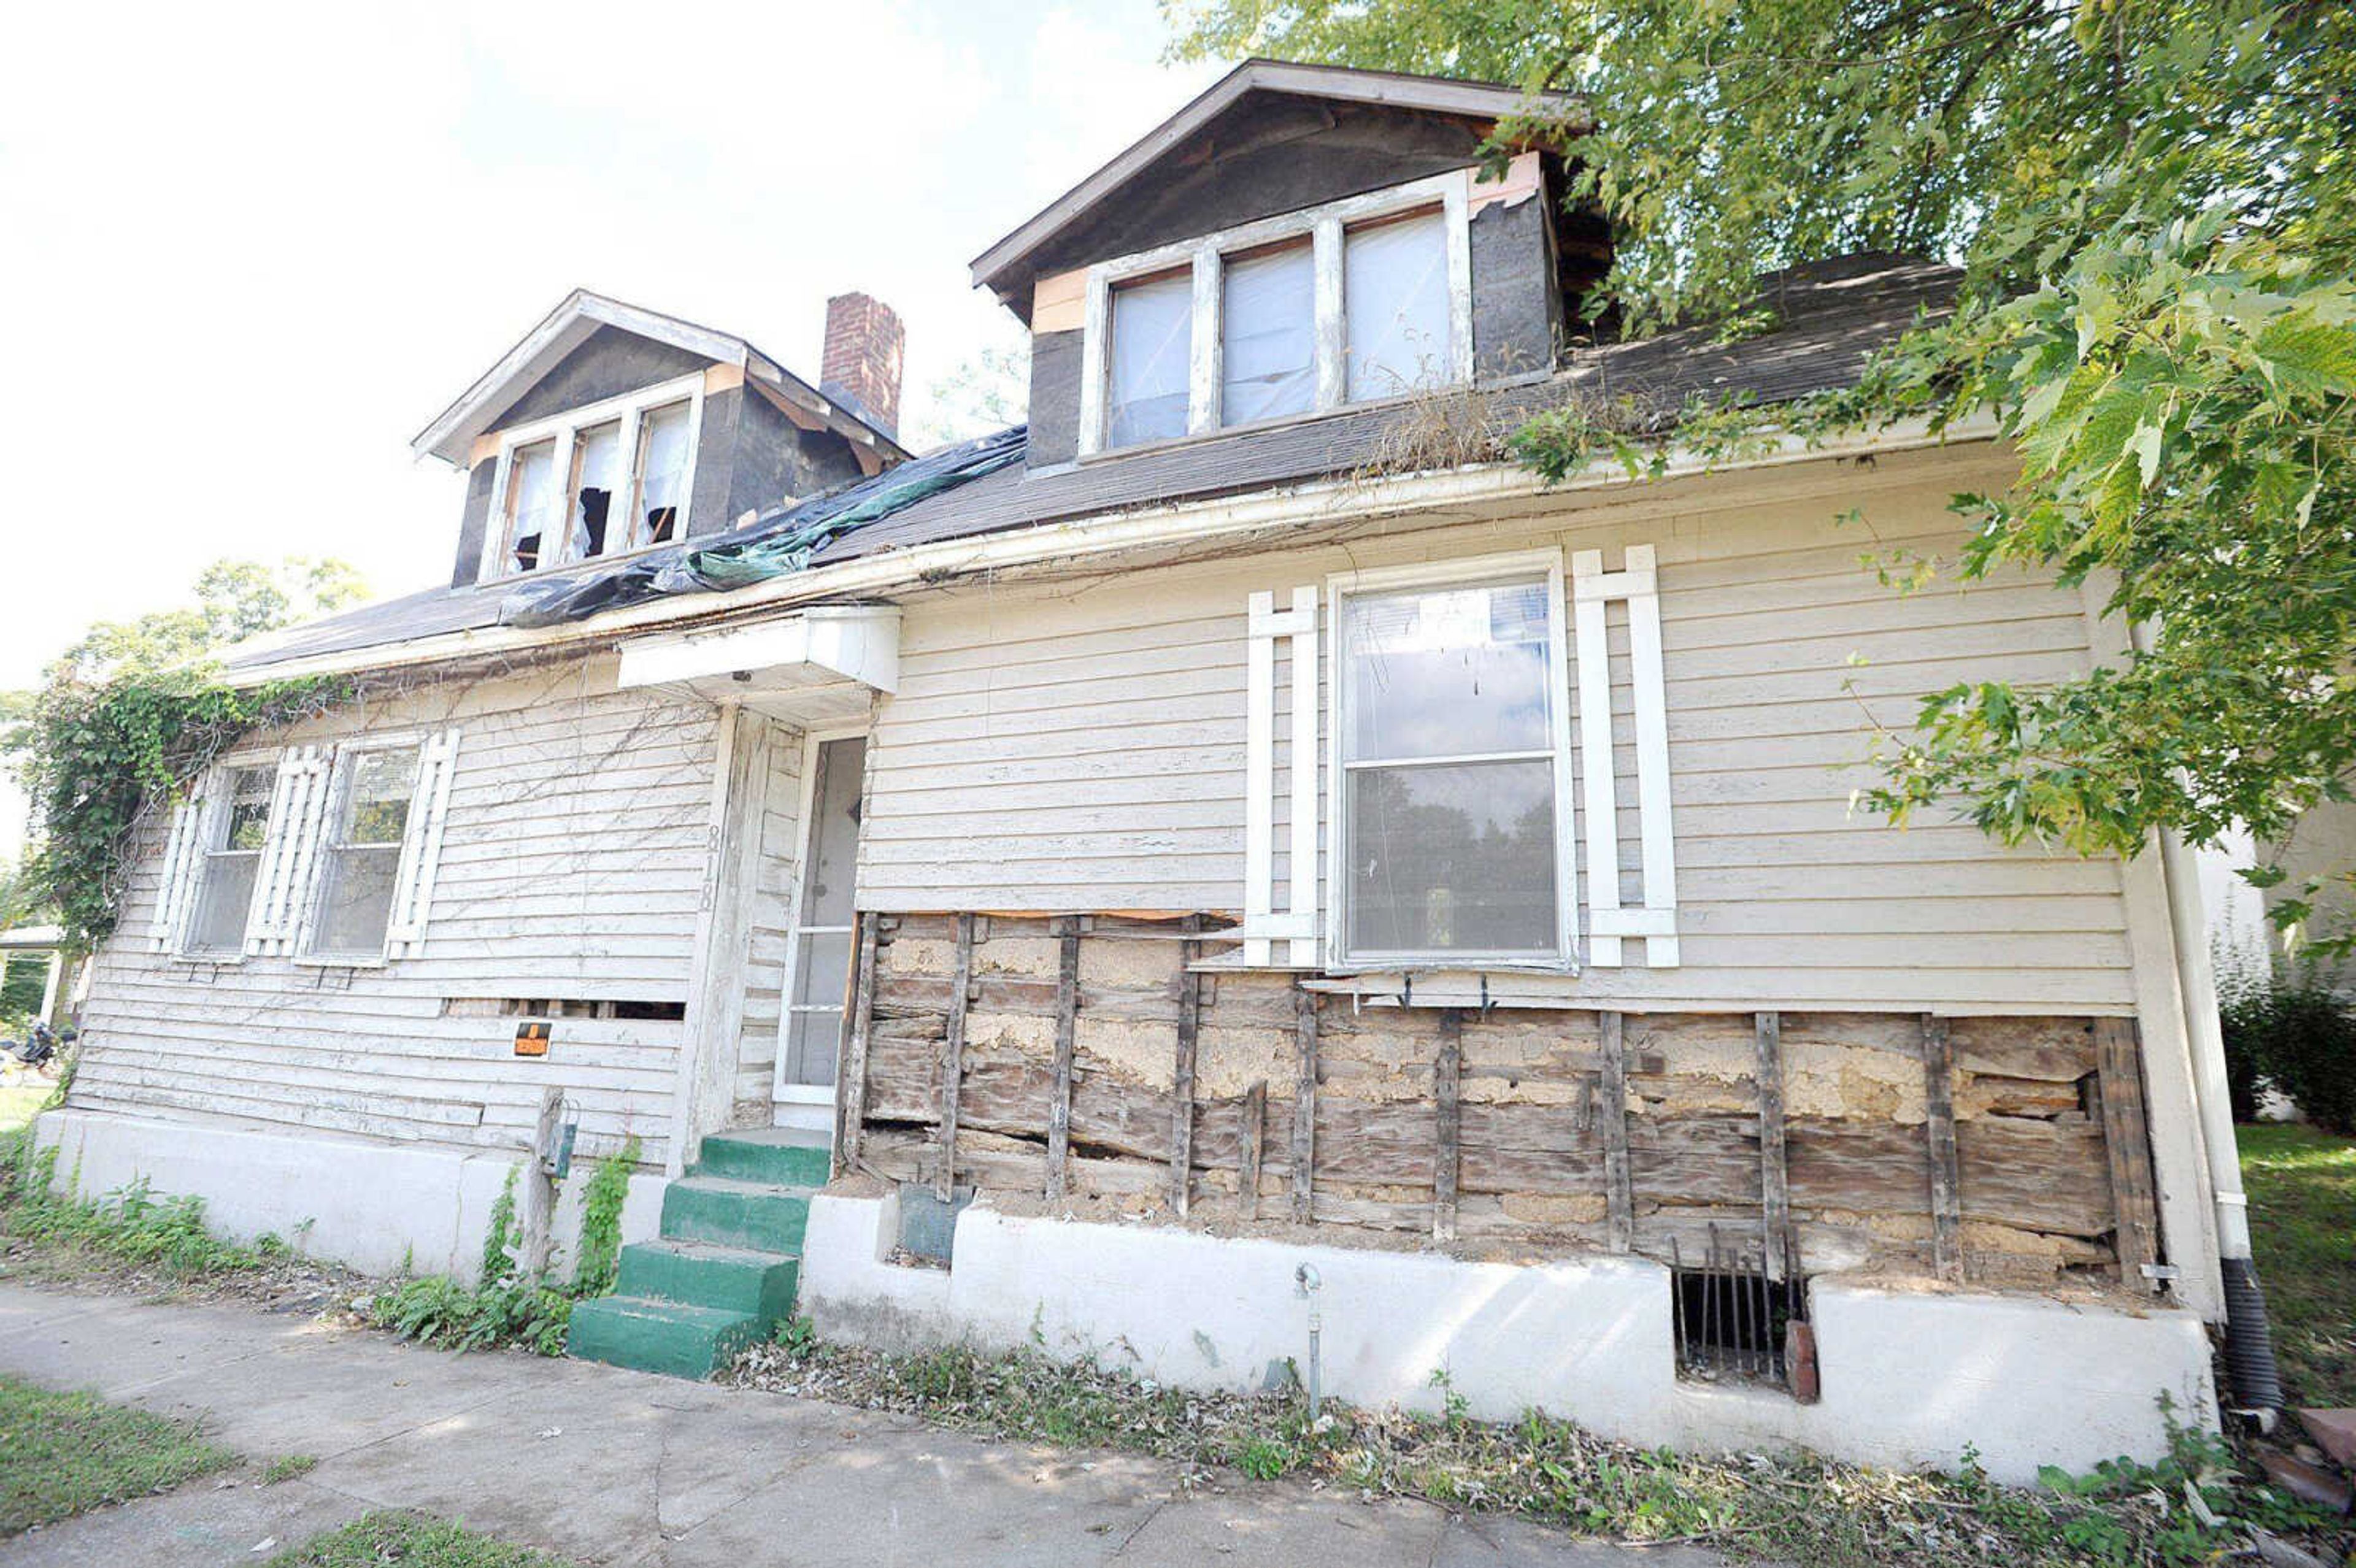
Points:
(2194, 1507)
(131, 1226)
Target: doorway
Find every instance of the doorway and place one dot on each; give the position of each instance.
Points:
(822, 924)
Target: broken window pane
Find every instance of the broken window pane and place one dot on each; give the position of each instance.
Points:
(363, 851)
(1268, 316)
(596, 473)
(532, 477)
(232, 857)
(1448, 752)
(1395, 299)
(1153, 338)
(662, 475)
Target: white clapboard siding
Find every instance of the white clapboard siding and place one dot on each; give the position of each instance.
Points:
(1095, 742)
(572, 836)
(182, 869)
(298, 809)
(420, 848)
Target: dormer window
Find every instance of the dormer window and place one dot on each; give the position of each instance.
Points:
(597, 482)
(1355, 301)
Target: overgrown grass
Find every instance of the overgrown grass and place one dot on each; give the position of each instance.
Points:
(2194, 1507)
(2302, 1185)
(288, 1467)
(131, 1225)
(69, 1453)
(20, 1100)
(411, 1540)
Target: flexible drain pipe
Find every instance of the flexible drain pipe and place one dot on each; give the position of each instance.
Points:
(2249, 1338)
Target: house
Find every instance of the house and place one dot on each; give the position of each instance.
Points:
(1232, 878)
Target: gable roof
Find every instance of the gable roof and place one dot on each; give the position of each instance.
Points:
(1831, 316)
(451, 437)
(1474, 101)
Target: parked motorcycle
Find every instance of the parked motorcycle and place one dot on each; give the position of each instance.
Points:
(42, 1051)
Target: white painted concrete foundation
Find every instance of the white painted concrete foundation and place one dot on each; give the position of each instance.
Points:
(1909, 1378)
(376, 1206)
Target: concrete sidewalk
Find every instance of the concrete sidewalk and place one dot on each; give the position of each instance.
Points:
(621, 1467)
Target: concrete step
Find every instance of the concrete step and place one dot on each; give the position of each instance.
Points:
(701, 1274)
(756, 1216)
(668, 1337)
(785, 1156)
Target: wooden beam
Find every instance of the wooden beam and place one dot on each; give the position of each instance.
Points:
(1255, 1138)
(1620, 1201)
(2126, 1141)
(540, 1187)
(851, 1072)
(1774, 1174)
(1060, 1108)
(1304, 1103)
(953, 1057)
(1946, 1184)
(1446, 1080)
(1182, 1078)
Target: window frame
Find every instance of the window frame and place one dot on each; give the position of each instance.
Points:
(217, 803)
(1342, 586)
(340, 768)
(496, 563)
(1324, 226)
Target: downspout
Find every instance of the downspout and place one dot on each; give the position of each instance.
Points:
(2249, 1338)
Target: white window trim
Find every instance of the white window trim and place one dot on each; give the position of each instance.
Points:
(216, 802)
(813, 739)
(339, 775)
(627, 408)
(1323, 227)
(1439, 574)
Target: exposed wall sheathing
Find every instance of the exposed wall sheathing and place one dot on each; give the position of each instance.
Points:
(2034, 1175)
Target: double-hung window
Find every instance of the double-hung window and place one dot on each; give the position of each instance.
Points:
(1357, 301)
(236, 826)
(367, 822)
(1451, 768)
(600, 481)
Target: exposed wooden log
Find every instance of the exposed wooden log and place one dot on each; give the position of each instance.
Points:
(1304, 1103)
(1059, 1105)
(1620, 1199)
(851, 1072)
(953, 1058)
(2127, 1143)
(1939, 1131)
(539, 1187)
(1774, 1176)
(1255, 1131)
(1181, 1122)
(1447, 1073)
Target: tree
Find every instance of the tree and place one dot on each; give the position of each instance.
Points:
(128, 713)
(2153, 204)
(985, 393)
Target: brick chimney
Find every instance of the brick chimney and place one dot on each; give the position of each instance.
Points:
(860, 367)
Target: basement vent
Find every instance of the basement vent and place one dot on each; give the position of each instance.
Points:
(558, 1007)
(1733, 1319)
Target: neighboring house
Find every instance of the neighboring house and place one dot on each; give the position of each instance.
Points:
(1234, 856)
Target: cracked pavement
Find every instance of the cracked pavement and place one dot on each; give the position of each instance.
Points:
(618, 1468)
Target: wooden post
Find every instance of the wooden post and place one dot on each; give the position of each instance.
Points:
(1182, 1079)
(1059, 1106)
(539, 1187)
(2127, 1140)
(1946, 1184)
(1305, 1104)
(1774, 1174)
(1255, 1139)
(851, 1072)
(1620, 1199)
(1446, 1081)
(953, 1058)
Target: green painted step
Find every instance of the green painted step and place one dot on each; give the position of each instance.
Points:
(780, 1156)
(668, 1337)
(754, 1215)
(701, 1274)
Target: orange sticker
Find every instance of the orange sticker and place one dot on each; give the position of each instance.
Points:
(531, 1038)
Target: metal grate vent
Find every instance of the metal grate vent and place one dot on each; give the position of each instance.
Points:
(1733, 1313)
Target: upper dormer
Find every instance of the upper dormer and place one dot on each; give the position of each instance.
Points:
(1297, 241)
(611, 430)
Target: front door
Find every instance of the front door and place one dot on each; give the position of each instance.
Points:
(818, 957)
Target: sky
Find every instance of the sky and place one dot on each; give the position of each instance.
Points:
(248, 252)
